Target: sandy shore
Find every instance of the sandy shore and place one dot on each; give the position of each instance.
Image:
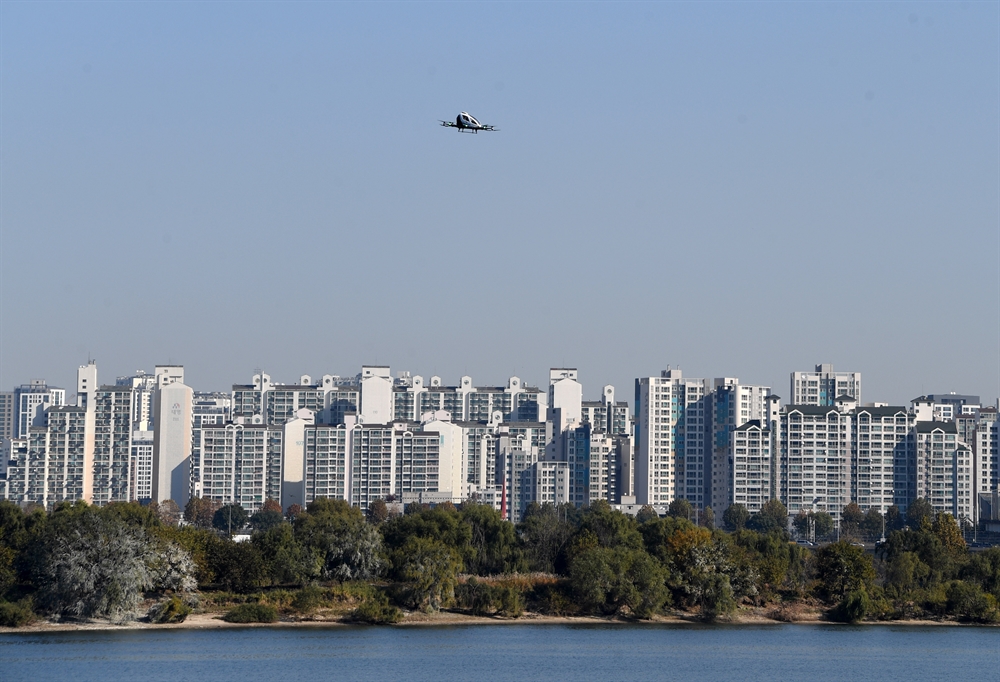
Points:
(213, 621)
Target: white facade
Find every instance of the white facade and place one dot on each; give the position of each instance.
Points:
(823, 386)
(545, 483)
(816, 458)
(672, 450)
(880, 456)
(172, 443)
(986, 451)
(944, 467)
(141, 488)
(752, 465)
(112, 445)
(31, 401)
(241, 464)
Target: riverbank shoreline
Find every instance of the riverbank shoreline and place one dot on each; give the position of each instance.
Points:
(213, 621)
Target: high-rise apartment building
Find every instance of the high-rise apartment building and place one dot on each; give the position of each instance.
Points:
(881, 459)
(112, 450)
(30, 403)
(944, 469)
(816, 459)
(730, 405)
(7, 403)
(823, 386)
(670, 439)
(240, 464)
(752, 470)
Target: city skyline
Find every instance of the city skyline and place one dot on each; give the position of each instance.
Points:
(782, 388)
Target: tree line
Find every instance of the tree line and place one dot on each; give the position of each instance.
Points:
(80, 562)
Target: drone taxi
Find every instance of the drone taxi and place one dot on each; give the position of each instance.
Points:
(467, 123)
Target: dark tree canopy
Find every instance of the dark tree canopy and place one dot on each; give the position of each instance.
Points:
(736, 517)
(230, 518)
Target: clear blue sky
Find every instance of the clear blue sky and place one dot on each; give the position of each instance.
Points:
(738, 189)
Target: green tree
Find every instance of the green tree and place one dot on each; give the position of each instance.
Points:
(610, 527)
(708, 518)
(680, 509)
(904, 573)
(429, 568)
(822, 523)
(949, 534)
(919, 513)
(871, 527)
(237, 566)
(646, 513)
(716, 597)
(984, 569)
(736, 517)
(442, 524)
(285, 559)
(377, 512)
(230, 518)
(546, 535)
(618, 579)
(266, 519)
(131, 513)
(493, 544)
(851, 520)
(967, 602)
(893, 519)
(772, 518)
(347, 547)
(843, 568)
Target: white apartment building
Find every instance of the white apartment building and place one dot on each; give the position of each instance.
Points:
(207, 409)
(823, 386)
(141, 469)
(606, 415)
(816, 459)
(143, 388)
(412, 397)
(13, 469)
(59, 465)
(327, 466)
(752, 465)
(881, 457)
(112, 454)
(986, 450)
(544, 483)
(673, 452)
(30, 403)
(241, 464)
(944, 468)
(730, 405)
(7, 403)
(595, 467)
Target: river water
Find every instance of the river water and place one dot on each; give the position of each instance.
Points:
(509, 652)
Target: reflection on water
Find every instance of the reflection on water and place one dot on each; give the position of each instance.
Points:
(508, 652)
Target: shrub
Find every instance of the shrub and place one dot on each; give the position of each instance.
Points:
(554, 599)
(853, 608)
(252, 613)
(377, 611)
(172, 610)
(484, 599)
(310, 598)
(17, 614)
(967, 602)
